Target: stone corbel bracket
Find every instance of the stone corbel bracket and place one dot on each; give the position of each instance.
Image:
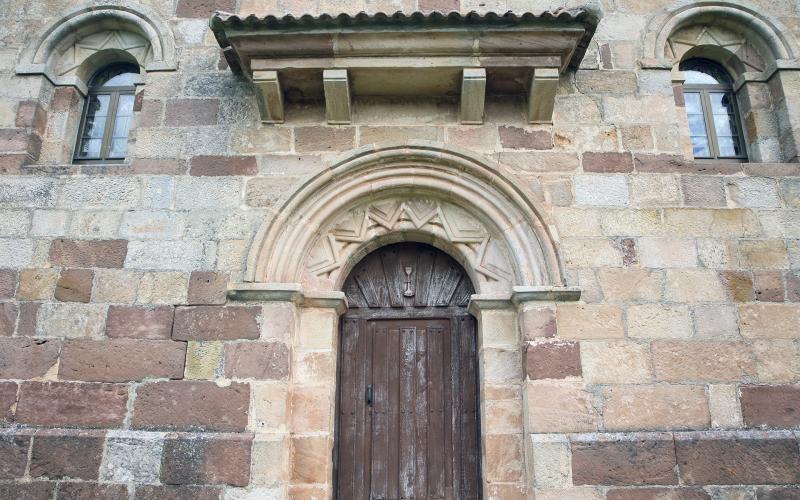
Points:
(466, 55)
(521, 295)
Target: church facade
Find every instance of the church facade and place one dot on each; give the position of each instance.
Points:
(394, 249)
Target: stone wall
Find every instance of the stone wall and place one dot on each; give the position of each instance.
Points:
(126, 372)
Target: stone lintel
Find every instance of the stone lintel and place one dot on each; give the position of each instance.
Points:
(270, 96)
(287, 292)
(473, 95)
(521, 295)
(337, 96)
(542, 95)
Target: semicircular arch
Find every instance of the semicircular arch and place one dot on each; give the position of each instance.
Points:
(459, 202)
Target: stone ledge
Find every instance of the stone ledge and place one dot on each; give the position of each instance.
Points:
(287, 292)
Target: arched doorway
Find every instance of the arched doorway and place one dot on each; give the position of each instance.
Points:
(407, 393)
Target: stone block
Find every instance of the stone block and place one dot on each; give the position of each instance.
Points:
(9, 279)
(311, 409)
(85, 254)
(121, 360)
(503, 417)
(203, 360)
(174, 492)
(694, 285)
(26, 358)
(753, 192)
(74, 285)
(631, 285)
(67, 404)
(525, 163)
(771, 406)
(737, 461)
(658, 321)
(551, 458)
(657, 494)
(206, 459)
(560, 407)
(71, 320)
(216, 323)
(16, 253)
(626, 462)
(34, 192)
(192, 193)
(115, 192)
(715, 322)
(606, 82)
(538, 322)
(312, 367)
(703, 191)
(310, 457)
(763, 254)
(591, 252)
(777, 361)
(739, 285)
(269, 456)
(270, 192)
(67, 455)
(323, 139)
(9, 312)
(769, 286)
(607, 163)
(140, 322)
(723, 402)
(191, 112)
(589, 321)
(768, 320)
(150, 225)
(270, 406)
(503, 458)
(615, 362)
(624, 222)
(666, 252)
(166, 255)
(92, 491)
(521, 138)
(132, 457)
(207, 288)
(191, 405)
(258, 360)
(553, 360)
(8, 401)
(655, 408)
(13, 456)
(115, 285)
(262, 139)
(33, 491)
(601, 190)
(163, 288)
(223, 165)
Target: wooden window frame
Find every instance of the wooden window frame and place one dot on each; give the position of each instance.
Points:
(115, 92)
(705, 90)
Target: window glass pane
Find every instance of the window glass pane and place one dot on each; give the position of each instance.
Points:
(118, 75)
(693, 102)
(121, 127)
(729, 146)
(90, 148)
(98, 105)
(697, 124)
(700, 147)
(721, 102)
(704, 72)
(118, 147)
(125, 105)
(698, 78)
(95, 126)
(725, 125)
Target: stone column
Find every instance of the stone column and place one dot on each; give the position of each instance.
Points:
(784, 85)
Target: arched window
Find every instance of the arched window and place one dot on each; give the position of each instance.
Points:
(106, 117)
(711, 109)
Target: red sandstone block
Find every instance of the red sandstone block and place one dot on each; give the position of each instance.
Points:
(13, 456)
(28, 313)
(19, 140)
(553, 360)
(94, 253)
(149, 492)
(771, 406)
(519, 138)
(8, 397)
(8, 283)
(658, 494)
(92, 491)
(259, 360)
(207, 288)
(74, 285)
(203, 8)
(539, 323)
(223, 165)
(738, 461)
(39, 490)
(67, 454)
(793, 286)
(789, 493)
(607, 162)
(191, 405)
(191, 112)
(25, 357)
(624, 463)
(140, 322)
(157, 166)
(72, 404)
(739, 285)
(216, 323)
(207, 459)
(665, 163)
(31, 115)
(769, 286)
(121, 360)
(9, 312)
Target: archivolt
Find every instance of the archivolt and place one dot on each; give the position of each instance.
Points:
(462, 203)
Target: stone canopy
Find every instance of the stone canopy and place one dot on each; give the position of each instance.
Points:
(435, 54)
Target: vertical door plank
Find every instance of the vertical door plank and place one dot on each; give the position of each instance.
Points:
(393, 471)
(436, 455)
(423, 277)
(407, 428)
(363, 413)
(470, 429)
(395, 277)
(421, 415)
(447, 384)
(380, 399)
(347, 408)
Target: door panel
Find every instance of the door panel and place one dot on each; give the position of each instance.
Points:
(419, 436)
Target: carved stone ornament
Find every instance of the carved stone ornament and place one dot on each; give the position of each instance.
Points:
(73, 55)
(734, 42)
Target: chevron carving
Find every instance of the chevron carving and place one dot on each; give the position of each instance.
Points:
(737, 43)
(397, 215)
(74, 55)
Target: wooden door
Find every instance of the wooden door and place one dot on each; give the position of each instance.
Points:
(408, 424)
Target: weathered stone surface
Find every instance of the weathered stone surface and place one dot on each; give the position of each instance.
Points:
(96, 253)
(132, 457)
(737, 461)
(310, 456)
(121, 360)
(601, 190)
(26, 357)
(503, 458)
(560, 407)
(771, 406)
(172, 492)
(765, 320)
(8, 283)
(607, 162)
(628, 462)
(258, 360)
(75, 455)
(691, 361)
(71, 320)
(655, 408)
(216, 323)
(630, 285)
(739, 285)
(203, 8)
(223, 165)
(74, 285)
(186, 255)
(777, 361)
(167, 287)
(769, 286)
(140, 322)
(657, 494)
(13, 456)
(203, 360)
(189, 112)
(28, 491)
(538, 322)
(520, 138)
(589, 321)
(92, 491)
(72, 404)
(206, 459)
(207, 288)
(191, 405)
(553, 360)
(658, 321)
(310, 139)
(615, 362)
(9, 312)
(37, 284)
(723, 402)
(8, 399)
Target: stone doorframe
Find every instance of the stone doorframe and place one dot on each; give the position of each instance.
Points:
(465, 205)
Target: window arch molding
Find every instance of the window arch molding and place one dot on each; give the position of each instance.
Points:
(132, 31)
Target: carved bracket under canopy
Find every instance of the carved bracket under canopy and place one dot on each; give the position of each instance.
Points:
(466, 55)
